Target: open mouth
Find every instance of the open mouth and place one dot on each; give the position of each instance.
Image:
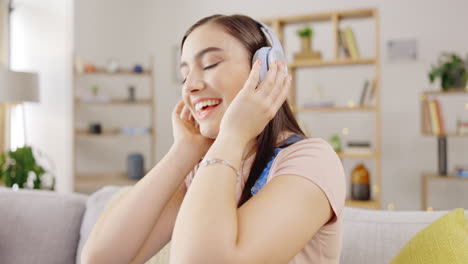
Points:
(205, 108)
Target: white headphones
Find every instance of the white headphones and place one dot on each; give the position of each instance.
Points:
(269, 54)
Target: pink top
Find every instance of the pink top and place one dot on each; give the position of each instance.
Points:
(315, 160)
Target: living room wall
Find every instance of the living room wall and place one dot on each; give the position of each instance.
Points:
(137, 29)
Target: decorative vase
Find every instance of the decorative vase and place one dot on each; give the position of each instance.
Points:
(360, 183)
(131, 93)
(306, 44)
(135, 166)
(112, 66)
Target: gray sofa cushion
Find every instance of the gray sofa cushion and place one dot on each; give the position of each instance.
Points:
(95, 205)
(38, 226)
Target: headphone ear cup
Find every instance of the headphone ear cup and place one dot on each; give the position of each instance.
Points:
(262, 54)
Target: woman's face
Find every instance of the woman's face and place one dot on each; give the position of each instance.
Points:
(215, 66)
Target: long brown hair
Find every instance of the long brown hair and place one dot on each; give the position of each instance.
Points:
(248, 32)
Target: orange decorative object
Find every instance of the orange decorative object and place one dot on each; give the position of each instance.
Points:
(90, 68)
(360, 183)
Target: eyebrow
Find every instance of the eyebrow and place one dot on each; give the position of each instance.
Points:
(201, 53)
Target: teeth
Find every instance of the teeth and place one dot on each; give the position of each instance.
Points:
(202, 104)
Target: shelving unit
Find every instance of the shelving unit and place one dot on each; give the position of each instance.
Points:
(442, 174)
(278, 24)
(88, 182)
(426, 177)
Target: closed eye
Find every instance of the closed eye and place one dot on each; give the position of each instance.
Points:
(211, 66)
(206, 68)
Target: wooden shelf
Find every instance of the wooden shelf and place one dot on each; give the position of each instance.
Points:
(449, 177)
(107, 133)
(372, 204)
(335, 62)
(322, 17)
(90, 182)
(334, 109)
(117, 102)
(444, 135)
(344, 154)
(449, 92)
(121, 72)
(356, 14)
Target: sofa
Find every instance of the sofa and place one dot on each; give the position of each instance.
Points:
(39, 226)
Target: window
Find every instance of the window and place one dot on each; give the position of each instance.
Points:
(4, 32)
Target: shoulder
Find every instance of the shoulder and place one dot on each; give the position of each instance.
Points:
(315, 160)
(308, 148)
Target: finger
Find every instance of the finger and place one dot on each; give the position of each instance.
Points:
(279, 83)
(178, 108)
(184, 115)
(283, 92)
(254, 76)
(267, 84)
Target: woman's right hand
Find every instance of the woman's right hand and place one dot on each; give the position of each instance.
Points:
(186, 130)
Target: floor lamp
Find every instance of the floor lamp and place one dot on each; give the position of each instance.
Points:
(15, 88)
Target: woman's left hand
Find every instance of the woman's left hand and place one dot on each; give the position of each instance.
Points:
(256, 104)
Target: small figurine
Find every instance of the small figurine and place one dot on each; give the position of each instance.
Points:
(138, 68)
(89, 68)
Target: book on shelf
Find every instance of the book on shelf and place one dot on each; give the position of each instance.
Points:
(350, 42)
(343, 44)
(432, 117)
(364, 92)
(368, 93)
(440, 118)
(426, 117)
(358, 147)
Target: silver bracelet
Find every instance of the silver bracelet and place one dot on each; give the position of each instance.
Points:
(207, 162)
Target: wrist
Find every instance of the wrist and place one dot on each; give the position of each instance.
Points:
(231, 139)
(185, 153)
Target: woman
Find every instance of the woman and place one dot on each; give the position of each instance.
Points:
(226, 212)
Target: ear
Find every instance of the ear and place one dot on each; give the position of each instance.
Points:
(262, 54)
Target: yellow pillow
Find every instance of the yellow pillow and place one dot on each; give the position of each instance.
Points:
(443, 241)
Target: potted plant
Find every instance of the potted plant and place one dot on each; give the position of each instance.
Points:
(452, 71)
(306, 34)
(19, 169)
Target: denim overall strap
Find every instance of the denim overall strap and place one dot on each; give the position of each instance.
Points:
(261, 181)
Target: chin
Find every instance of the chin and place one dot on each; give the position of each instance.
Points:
(209, 132)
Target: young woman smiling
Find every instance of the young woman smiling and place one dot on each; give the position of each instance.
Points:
(262, 193)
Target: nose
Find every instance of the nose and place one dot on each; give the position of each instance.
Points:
(194, 85)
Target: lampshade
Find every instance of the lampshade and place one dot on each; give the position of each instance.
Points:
(18, 87)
